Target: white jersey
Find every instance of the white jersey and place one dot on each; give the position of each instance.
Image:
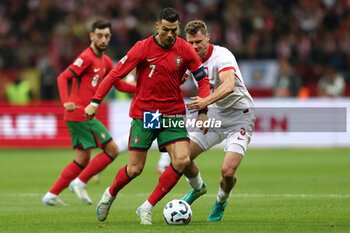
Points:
(237, 123)
(220, 59)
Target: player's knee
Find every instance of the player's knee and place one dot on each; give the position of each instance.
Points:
(180, 163)
(113, 153)
(112, 150)
(134, 171)
(83, 161)
(184, 162)
(227, 171)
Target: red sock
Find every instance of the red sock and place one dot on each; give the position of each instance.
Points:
(167, 181)
(97, 164)
(120, 180)
(69, 173)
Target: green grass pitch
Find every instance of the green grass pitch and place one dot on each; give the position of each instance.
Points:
(278, 190)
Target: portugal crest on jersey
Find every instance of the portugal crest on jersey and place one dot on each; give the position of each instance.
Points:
(178, 61)
(136, 140)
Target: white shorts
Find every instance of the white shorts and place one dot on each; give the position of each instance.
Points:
(237, 128)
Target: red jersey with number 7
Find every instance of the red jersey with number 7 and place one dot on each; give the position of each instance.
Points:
(159, 75)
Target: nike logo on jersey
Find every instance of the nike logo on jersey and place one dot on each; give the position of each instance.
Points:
(239, 138)
(151, 59)
(96, 70)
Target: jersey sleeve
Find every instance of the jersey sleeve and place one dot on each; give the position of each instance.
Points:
(123, 86)
(225, 61)
(120, 85)
(62, 83)
(80, 64)
(124, 66)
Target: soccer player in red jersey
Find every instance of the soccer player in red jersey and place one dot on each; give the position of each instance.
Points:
(86, 71)
(161, 62)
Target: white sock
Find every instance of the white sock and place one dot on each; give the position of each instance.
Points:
(50, 195)
(123, 143)
(109, 193)
(147, 205)
(196, 182)
(78, 182)
(164, 160)
(222, 196)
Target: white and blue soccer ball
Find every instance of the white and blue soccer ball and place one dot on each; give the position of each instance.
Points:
(177, 212)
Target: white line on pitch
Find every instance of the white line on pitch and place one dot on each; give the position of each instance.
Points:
(243, 195)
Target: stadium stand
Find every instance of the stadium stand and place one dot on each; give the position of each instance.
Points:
(45, 35)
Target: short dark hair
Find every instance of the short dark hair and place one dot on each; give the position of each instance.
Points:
(101, 24)
(194, 26)
(169, 14)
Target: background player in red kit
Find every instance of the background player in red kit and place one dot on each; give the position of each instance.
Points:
(161, 62)
(86, 71)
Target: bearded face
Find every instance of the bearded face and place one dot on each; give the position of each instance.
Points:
(100, 38)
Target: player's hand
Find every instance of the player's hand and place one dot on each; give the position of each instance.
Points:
(197, 105)
(70, 106)
(203, 118)
(90, 111)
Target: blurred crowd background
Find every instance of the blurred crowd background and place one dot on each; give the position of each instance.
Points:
(309, 40)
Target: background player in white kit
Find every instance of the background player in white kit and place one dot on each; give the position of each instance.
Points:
(229, 102)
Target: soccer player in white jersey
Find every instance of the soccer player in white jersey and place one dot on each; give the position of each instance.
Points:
(229, 102)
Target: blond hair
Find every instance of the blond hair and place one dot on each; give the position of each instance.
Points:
(194, 26)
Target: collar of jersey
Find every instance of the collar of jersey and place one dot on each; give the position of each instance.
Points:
(95, 53)
(155, 40)
(210, 52)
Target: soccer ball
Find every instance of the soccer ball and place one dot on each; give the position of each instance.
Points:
(177, 212)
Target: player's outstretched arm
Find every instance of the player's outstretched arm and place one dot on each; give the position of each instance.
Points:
(102, 90)
(111, 79)
(124, 67)
(203, 91)
(200, 102)
(227, 87)
(125, 87)
(197, 105)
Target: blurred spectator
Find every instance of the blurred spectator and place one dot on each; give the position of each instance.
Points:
(288, 83)
(19, 91)
(46, 34)
(48, 79)
(331, 84)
